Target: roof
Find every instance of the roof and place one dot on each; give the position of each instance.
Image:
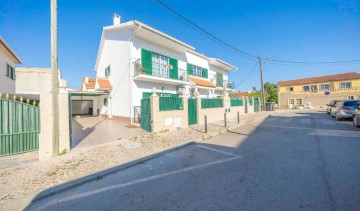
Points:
(17, 58)
(201, 82)
(321, 79)
(91, 84)
(240, 94)
(104, 83)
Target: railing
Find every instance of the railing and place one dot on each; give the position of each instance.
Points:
(212, 103)
(161, 72)
(357, 88)
(170, 103)
(236, 102)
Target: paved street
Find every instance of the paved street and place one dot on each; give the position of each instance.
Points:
(290, 161)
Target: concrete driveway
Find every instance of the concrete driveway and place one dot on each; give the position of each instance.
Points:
(292, 161)
(89, 131)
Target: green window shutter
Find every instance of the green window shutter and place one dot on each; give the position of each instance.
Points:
(219, 79)
(146, 95)
(174, 70)
(204, 73)
(189, 69)
(175, 95)
(107, 71)
(106, 102)
(146, 61)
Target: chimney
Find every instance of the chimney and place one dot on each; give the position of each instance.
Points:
(116, 19)
(86, 79)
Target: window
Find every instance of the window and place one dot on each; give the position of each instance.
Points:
(160, 65)
(306, 88)
(324, 87)
(106, 102)
(298, 101)
(289, 89)
(313, 88)
(350, 97)
(10, 72)
(291, 102)
(197, 71)
(345, 85)
(107, 71)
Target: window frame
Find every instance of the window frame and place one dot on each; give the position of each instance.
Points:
(290, 89)
(296, 101)
(197, 71)
(314, 90)
(11, 75)
(308, 88)
(326, 89)
(160, 65)
(342, 83)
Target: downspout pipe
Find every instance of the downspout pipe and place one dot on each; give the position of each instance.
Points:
(131, 72)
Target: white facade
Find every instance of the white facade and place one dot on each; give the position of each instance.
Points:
(8, 58)
(121, 48)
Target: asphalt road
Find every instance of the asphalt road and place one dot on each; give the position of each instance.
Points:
(290, 161)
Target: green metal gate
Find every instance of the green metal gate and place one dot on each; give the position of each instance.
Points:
(256, 105)
(246, 106)
(192, 112)
(145, 114)
(19, 127)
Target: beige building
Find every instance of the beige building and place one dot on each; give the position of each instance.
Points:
(318, 91)
(8, 59)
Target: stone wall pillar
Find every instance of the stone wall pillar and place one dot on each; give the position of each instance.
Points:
(45, 136)
(154, 102)
(185, 116)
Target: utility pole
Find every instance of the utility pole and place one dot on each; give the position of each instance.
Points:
(262, 86)
(55, 80)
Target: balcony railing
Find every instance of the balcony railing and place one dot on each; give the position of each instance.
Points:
(357, 88)
(161, 73)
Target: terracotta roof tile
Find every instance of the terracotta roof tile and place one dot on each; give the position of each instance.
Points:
(91, 84)
(202, 82)
(240, 94)
(321, 79)
(104, 83)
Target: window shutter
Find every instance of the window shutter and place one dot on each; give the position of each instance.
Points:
(106, 102)
(146, 61)
(146, 95)
(219, 79)
(174, 70)
(189, 69)
(204, 73)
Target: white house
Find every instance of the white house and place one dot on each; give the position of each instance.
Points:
(137, 58)
(8, 59)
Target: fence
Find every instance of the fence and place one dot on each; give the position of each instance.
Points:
(170, 103)
(19, 127)
(146, 114)
(236, 102)
(212, 103)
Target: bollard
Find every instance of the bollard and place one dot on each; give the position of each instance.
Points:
(225, 124)
(206, 129)
(238, 117)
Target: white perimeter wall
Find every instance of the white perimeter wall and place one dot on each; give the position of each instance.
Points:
(7, 85)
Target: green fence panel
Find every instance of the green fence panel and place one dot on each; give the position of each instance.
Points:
(192, 111)
(145, 121)
(251, 102)
(19, 127)
(212, 103)
(170, 103)
(256, 105)
(236, 102)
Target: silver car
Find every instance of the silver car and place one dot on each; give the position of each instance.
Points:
(345, 109)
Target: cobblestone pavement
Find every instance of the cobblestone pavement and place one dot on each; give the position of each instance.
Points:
(34, 177)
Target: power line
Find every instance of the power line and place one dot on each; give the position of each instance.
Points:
(247, 55)
(204, 32)
(247, 76)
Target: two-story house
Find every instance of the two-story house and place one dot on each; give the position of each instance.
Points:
(8, 59)
(319, 91)
(137, 59)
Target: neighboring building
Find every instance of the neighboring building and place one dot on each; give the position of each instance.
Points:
(31, 82)
(319, 91)
(137, 58)
(8, 59)
(240, 94)
(95, 84)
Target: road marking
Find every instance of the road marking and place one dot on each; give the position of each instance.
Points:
(327, 122)
(134, 182)
(306, 121)
(216, 150)
(287, 120)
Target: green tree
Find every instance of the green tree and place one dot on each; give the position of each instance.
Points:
(271, 92)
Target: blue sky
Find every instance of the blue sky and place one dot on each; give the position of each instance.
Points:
(306, 30)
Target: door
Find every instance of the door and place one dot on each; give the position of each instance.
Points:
(145, 118)
(192, 112)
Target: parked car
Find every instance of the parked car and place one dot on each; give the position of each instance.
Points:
(331, 105)
(345, 109)
(333, 108)
(356, 117)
